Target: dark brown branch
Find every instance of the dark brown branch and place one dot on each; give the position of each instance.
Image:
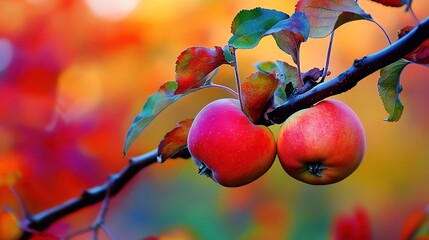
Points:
(345, 81)
(43, 220)
(349, 78)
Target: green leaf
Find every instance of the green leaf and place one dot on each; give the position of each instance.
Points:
(228, 55)
(155, 104)
(256, 91)
(289, 81)
(194, 65)
(407, 4)
(287, 76)
(174, 141)
(326, 15)
(389, 88)
(195, 69)
(266, 67)
(249, 26)
(290, 33)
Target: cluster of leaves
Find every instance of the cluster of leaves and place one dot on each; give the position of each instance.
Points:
(273, 83)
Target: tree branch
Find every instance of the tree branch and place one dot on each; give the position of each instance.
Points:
(43, 220)
(342, 83)
(349, 78)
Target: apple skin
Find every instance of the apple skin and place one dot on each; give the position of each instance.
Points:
(228, 147)
(323, 144)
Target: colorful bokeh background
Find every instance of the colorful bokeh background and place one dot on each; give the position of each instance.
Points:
(74, 73)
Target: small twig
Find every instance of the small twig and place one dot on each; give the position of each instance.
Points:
(23, 208)
(99, 222)
(298, 69)
(43, 220)
(77, 233)
(107, 231)
(237, 76)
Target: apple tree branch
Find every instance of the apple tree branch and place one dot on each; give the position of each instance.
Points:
(345, 81)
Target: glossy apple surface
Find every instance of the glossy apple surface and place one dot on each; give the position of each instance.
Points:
(323, 144)
(227, 146)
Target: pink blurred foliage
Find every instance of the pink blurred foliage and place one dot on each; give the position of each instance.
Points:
(351, 226)
(354, 226)
(58, 156)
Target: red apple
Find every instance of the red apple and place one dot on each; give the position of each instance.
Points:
(227, 146)
(323, 144)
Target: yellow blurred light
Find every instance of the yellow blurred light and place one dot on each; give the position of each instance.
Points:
(79, 91)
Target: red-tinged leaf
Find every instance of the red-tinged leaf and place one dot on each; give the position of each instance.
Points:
(9, 226)
(389, 87)
(287, 76)
(194, 65)
(249, 26)
(419, 55)
(155, 104)
(256, 91)
(174, 141)
(391, 3)
(325, 16)
(290, 33)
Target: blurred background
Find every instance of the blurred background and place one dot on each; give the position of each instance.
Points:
(75, 73)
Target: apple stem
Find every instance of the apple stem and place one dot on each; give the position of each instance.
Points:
(328, 57)
(203, 169)
(298, 69)
(384, 32)
(413, 15)
(237, 76)
(316, 168)
(222, 87)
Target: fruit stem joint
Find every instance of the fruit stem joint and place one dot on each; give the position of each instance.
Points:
(316, 168)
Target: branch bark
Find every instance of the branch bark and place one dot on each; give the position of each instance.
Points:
(348, 79)
(342, 83)
(43, 220)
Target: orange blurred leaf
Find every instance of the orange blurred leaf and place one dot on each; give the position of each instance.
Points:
(9, 227)
(194, 65)
(419, 55)
(256, 91)
(326, 16)
(416, 225)
(9, 169)
(174, 141)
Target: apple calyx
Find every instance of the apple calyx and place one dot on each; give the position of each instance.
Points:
(316, 168)
(203, 169)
